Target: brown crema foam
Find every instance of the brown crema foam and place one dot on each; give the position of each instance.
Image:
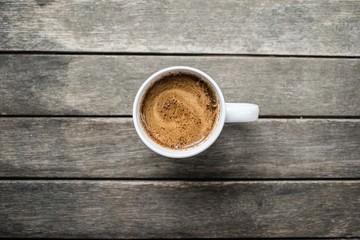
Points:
(179, 111)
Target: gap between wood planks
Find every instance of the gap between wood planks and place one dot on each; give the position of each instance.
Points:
(210, 180)
(130, 116)
(174, 54)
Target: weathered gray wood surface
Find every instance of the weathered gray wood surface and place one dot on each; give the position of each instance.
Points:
(110, 147)
(169, 198)
(121, 209)
(106, 85)
(328, 27)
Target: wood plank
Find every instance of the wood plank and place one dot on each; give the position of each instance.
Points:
(328, 27)
(121, 209)
(110, 148)
(106, 85)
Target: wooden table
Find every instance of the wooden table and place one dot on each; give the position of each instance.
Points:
(72, 165)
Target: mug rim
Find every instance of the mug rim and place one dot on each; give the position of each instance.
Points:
(181, 153)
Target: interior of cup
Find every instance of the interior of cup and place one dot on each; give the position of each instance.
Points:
(185, 152)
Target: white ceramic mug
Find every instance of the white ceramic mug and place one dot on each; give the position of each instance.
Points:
(229, 113)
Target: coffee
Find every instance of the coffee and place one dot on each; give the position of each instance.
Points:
(179, 111)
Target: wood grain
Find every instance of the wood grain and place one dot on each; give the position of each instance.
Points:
(110, 148)
(306, 27)
(107, 85)
(121, 209)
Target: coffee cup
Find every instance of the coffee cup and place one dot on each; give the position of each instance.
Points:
(225, 113)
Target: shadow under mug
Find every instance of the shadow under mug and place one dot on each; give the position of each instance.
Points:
(229, 113)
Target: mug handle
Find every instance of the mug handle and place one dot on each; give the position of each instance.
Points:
(241, 112)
